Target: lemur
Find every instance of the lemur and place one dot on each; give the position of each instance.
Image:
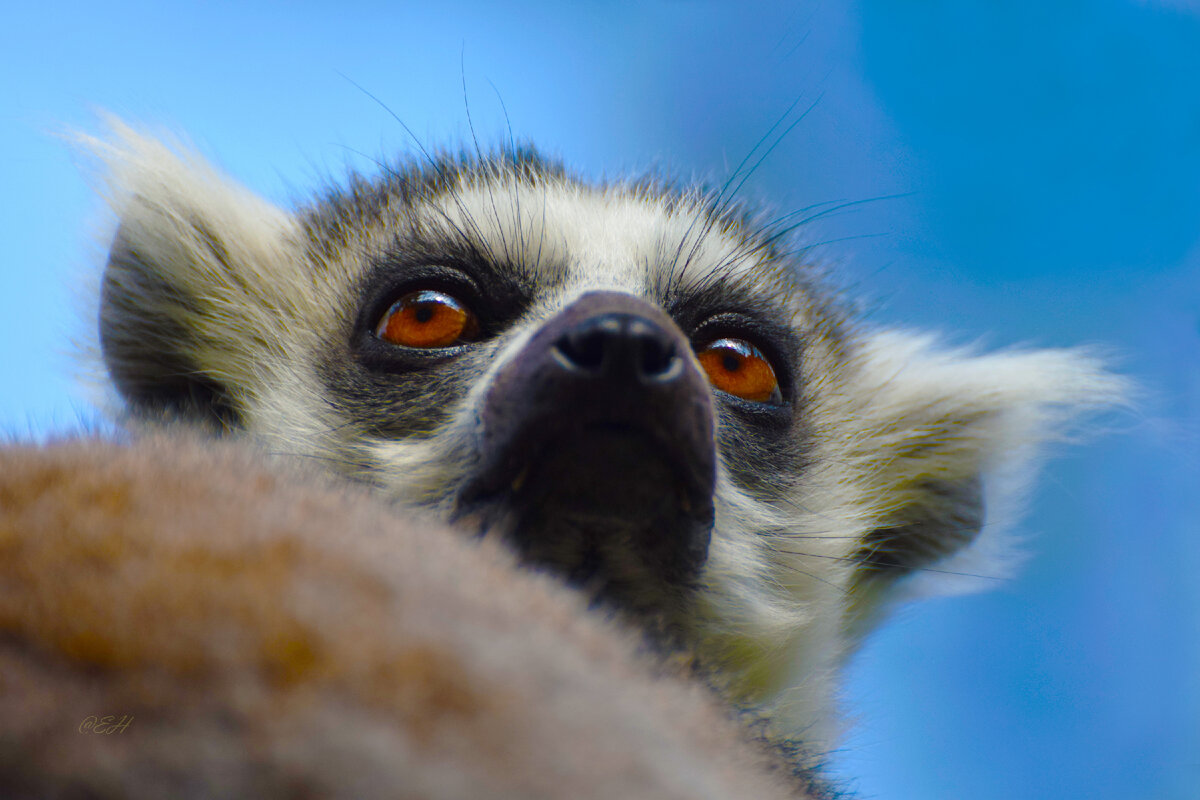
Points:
(639, 387)
(642, 389)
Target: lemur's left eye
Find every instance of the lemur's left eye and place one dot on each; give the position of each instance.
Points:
(739, 368)
(427, 319)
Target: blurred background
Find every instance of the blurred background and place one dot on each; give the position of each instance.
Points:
(1043, 167)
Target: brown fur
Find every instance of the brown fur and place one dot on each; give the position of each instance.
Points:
(276, 635)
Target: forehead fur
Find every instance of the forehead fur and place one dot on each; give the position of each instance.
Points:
(528, 213)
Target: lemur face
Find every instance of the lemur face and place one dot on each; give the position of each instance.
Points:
(567, 366)
(642, 389)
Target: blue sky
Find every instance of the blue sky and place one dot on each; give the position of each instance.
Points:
(1047, 162)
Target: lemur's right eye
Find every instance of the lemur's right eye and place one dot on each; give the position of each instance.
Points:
(426, 319)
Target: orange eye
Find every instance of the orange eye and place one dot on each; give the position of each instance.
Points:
(427, 319)
(738, 368)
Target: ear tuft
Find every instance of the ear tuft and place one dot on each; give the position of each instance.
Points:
(947, 437)
(188, 291)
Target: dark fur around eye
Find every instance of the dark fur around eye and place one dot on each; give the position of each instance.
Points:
(493, 298)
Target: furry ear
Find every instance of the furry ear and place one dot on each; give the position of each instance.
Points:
(192, 281)
(945, 441)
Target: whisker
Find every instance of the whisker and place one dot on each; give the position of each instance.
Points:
(479, 155)
(892, 565)
(478, 241)
(512, 150)
(716, 204)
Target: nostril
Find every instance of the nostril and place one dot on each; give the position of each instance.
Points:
(617, 344)
(656, 350)
(586, 346)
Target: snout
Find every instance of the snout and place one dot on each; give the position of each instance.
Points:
(597, 450)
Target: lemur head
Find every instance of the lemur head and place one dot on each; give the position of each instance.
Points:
(642, 388)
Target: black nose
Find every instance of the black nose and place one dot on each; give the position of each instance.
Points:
(619, 344)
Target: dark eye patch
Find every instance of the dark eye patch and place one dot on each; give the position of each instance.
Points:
(492, 296)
